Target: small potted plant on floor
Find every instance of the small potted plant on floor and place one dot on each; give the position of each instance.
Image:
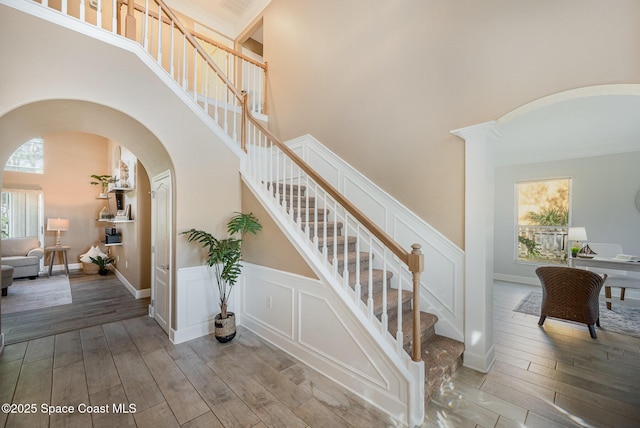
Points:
(103, 263)
(224, 256)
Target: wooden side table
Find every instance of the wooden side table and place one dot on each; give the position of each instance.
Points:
(58, 249)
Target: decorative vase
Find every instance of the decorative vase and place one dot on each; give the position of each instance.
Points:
(225, 329)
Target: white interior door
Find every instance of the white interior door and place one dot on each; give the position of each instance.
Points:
(161, 244)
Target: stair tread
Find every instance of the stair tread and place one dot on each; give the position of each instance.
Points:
(427, 322)
(340, 238)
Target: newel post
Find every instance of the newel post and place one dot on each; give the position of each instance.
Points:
(416, 266)
(130, 22)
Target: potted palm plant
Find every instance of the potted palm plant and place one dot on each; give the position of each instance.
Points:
(224, 256)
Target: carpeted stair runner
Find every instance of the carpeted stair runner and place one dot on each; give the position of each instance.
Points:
(442, 355)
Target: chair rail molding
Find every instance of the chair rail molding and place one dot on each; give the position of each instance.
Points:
(478, 267)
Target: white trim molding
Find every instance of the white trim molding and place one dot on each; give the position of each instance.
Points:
(442, 291)
(479, 220)
(138, 294)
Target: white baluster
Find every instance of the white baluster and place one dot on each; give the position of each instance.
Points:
(98, 14)
(335, 235)
(146, 26)
(345, 271)
(184, 62)
(370, 270)
(160, 35)
(358, 284)
(399, 335)
(114, 16)
(235, 117)
(291, 189)
(171, 53)
(82, 10)
(195, 74)
(63, 7)
(206, 90)
(385, 315)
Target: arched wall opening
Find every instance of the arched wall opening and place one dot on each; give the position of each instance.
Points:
(590, 121)
(95, 128)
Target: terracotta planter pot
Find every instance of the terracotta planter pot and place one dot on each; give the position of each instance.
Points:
(225, 329)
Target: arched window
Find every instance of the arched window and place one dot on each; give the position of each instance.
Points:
(29, 157)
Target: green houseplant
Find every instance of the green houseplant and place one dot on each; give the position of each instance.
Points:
(103, 263)
(224, 256)
(103, 181)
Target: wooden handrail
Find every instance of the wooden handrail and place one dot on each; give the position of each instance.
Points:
(228, 49)
(187, 33)
(387, 240)
(202, 37)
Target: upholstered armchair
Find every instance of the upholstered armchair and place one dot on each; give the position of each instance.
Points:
(570, 294)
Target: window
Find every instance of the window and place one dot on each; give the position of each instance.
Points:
(28, 158)
(22, 213)
(543, 220)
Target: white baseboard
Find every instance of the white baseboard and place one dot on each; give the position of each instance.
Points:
(516, 278)
(481, 363)
(138, 294)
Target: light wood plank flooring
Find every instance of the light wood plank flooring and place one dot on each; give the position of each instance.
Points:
(556, 376)
(552, 377)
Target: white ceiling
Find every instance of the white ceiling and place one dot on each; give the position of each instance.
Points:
(227, 17)
(579, 127)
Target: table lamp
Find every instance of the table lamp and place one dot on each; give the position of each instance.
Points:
(58, 225)
(577, 234)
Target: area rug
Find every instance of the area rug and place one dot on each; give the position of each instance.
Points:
(620, 319)
(43, 292)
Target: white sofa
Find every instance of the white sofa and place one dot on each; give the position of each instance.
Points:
(23, 254)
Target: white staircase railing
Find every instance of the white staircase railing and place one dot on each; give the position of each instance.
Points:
(211, 79)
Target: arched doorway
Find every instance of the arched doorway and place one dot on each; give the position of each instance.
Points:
(579, 115)
(102, 126)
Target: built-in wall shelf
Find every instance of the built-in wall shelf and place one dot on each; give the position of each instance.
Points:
(121, 189)
(117, 244)
(113, 220)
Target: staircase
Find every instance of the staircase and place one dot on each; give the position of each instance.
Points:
(441, 355)
(332, 231)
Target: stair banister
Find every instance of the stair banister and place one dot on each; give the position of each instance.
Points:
(414, 260)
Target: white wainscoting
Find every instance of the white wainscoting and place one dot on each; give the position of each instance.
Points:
(197, 303)
(306, 319)
(443, 280)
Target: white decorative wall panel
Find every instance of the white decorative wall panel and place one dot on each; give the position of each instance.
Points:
(272, 305)
(322, 331)
(198, 302)
(326, 335)
(443, 279)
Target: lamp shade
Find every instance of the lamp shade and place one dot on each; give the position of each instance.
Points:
(577, 234)
(58, 224)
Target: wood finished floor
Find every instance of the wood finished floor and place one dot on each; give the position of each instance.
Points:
(552, 377)
(95, 300)
(556, 376)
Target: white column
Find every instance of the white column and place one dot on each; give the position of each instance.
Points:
(479, 222)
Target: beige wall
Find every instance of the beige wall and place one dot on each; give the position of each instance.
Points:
(70, 160)
(383, 85)
(270, 247)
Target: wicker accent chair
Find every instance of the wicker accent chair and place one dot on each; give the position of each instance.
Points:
(570, 294)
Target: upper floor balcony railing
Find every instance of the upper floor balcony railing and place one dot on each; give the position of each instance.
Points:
(171, 44)
(545, 244)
